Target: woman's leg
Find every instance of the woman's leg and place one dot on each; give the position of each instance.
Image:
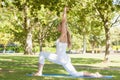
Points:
(40, 69)
(44, 55)
(49, 56)
(71, 70)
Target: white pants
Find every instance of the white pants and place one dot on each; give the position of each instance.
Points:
(55, 59)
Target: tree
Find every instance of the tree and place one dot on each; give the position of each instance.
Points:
(16, 7)
(45, 25)
(29, 11)
(47, 19)
(6, 35)
(96, 32)
(115, 36)
(104, 9)
(80, 19)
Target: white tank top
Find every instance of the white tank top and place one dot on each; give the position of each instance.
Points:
(61, 52)
(60, 47)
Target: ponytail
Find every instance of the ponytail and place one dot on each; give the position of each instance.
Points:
(68, 39)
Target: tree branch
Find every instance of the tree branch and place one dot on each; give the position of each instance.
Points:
(115, 21)
(99, 12)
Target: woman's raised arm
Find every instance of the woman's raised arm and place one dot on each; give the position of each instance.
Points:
(63, 36)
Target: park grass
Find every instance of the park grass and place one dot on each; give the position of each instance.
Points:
(15, 67)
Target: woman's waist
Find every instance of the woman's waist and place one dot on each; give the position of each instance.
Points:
(60, 53)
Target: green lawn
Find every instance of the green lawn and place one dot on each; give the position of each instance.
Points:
(15, 67)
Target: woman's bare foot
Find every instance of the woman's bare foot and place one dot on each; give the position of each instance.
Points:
(98, 74)
(37, 74)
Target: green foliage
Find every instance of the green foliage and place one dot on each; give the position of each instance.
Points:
(76, 42)
(45, 23)
(45, 15)
(105, 9)
(79, 18)
(6, 35)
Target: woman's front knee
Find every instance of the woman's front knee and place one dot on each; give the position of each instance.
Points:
(45, 54)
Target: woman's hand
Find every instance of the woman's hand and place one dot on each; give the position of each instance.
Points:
(66, 9)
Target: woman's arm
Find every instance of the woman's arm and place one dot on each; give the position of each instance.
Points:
(63, 36)
(64, 19)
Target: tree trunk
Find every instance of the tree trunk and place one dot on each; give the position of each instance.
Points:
(93, 48)
(28, 31)
(40, 42)
(40, 39)
(108, 42)
(28, 44)
(4, 50)
(84, 44)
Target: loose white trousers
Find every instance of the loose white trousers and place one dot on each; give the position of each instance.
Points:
(61, 61)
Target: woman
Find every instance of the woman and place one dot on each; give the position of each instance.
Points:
(61, 57)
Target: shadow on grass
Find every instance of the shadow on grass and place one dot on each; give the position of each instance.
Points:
(30, 63)
(85, 60)
(16, 68)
